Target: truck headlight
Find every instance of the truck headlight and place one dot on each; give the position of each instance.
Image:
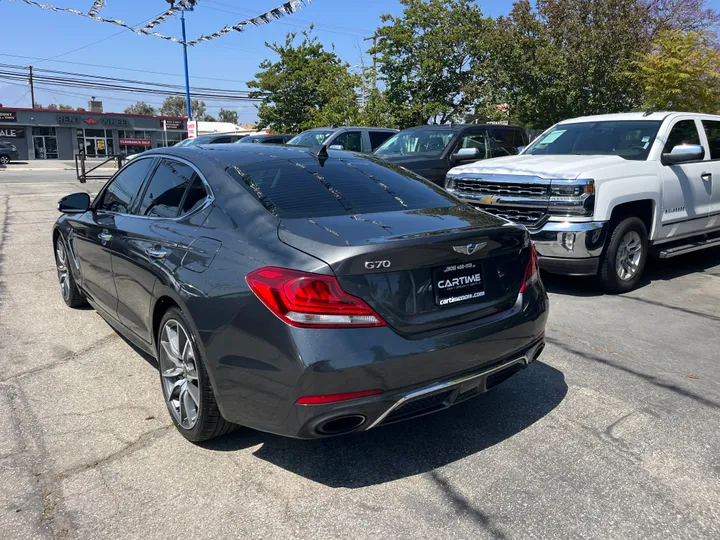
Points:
(572, 197)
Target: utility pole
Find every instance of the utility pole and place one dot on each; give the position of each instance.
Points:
(187, 75)
(32, 90)
(374, 40)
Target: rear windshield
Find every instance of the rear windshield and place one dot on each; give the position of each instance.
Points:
(301, 188)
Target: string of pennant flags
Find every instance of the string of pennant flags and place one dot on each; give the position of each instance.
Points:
(287, 8)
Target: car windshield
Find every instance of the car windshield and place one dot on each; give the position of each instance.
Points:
(629, 139)
(314, 137)
(417, 142)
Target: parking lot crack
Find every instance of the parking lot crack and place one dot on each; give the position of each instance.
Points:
(138, 444)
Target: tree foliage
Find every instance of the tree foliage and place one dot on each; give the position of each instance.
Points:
(430, 59)
(143, 108)
(681, 72)
(226, 115)
(66, 107)
(306, 87)
(175, 106)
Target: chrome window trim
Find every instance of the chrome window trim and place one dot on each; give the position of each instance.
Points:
(208, 200)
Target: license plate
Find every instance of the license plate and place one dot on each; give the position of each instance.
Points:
(457, 283)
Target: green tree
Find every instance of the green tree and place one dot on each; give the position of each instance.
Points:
(567, 58)
(143, 108)
(306, 87)
(431, 60)
(208, 118)
(66, 107)
(53, 107)
(175, 106)
(681, 72)
(37, 105)
(228, 116)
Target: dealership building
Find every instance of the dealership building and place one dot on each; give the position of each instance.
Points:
(58, 134)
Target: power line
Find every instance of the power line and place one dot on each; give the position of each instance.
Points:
(86, 64)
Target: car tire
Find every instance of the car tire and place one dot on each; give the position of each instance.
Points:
(185, 383)
(4, 160)
(623, 262)
(69, 289)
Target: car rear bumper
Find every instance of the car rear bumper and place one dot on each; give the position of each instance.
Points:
(417, 374)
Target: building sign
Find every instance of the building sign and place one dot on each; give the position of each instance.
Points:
(12, 133)
(192, 133)
(135, 142)
(109, 122)
(173, 124)
(8, 116)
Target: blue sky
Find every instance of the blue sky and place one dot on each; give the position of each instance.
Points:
(31, 32)
(62, 41)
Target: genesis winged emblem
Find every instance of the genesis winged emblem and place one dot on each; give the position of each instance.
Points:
(470, 248)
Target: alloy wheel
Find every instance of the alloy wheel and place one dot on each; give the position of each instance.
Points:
(62, 269)
(178, 367)
(4, 160)
(629, 254)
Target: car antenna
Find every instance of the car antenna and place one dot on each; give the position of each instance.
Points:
(647, 113)
(320, 153)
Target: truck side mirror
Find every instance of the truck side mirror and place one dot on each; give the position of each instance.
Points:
(682, 153)
(466, 153)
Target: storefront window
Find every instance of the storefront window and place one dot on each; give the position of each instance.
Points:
(170, 138)
(45, 142)
(134, 142)
(96, 142)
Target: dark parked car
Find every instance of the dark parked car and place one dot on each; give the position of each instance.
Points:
(8, 152)
(298, 293)
(354, 139)
(268, 138)
(431, 151)
(215, 138)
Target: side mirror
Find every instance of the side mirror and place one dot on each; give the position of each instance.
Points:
(683, 153)
(337, 147)
(76, 203)
(520, 149)
(466, 153)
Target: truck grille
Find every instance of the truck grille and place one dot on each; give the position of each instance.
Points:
(505, 188)
(524, 216)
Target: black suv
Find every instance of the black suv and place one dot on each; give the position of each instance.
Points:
(431, 151)
(8, 152)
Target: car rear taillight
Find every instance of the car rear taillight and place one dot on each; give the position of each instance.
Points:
(310, 300)
(532, 272)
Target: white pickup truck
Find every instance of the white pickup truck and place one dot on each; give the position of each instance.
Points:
(601, 193)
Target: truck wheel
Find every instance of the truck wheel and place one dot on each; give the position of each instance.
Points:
(622, 265)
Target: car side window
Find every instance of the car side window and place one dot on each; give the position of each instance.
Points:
(350, 140)
(683, 132)
(379, 137)
(220, 140)
(519, 138)
(166, 189)
(195, 196)
(123, 189)
(712, 131)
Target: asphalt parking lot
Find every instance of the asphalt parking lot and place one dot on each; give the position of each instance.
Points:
(613, 434)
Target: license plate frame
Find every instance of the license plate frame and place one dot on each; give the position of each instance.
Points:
(458, 283)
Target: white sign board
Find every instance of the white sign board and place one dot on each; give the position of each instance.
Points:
(192, 126)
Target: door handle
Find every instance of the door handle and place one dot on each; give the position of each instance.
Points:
(706, 176)
(156, 253)
(105, 237)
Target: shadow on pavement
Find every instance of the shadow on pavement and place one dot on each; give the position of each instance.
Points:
(656, 270)
(415, 446)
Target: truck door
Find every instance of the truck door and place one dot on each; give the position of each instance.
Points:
(686, 190)
(712, 181)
